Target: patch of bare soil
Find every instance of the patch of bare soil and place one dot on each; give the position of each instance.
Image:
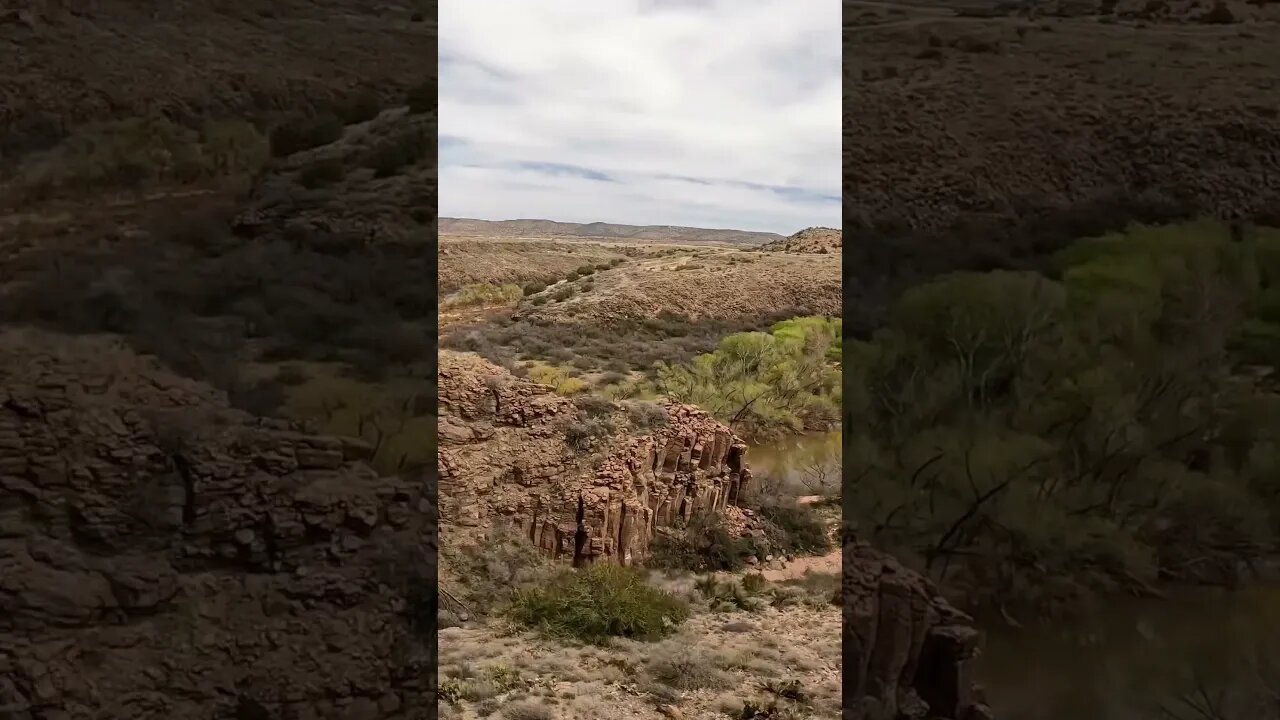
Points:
(798, 567)
(987, 137)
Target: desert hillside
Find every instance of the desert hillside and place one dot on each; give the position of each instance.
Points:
(989, 135)
(253, 60)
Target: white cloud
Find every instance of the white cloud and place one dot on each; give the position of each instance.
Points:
(715, 113)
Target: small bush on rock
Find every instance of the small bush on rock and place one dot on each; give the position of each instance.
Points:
(581, 434)
(646, 415)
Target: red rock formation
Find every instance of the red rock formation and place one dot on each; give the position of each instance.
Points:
(907, 652)
(504, 460)
(162, 555)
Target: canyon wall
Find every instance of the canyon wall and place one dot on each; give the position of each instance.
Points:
(162, 555)
(512, 455)
(907, 652)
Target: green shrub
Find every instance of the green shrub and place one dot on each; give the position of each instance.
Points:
(495, 569)
(705, 544)
(533, 288)
(361, 107)
(581, 434)
(645, 414)
(232, 147)
(322, 173)
(491, 682)
(600, 602)
(422, 98)
(304, 133)
(595, 406)
(794, 529)
(404, 150)
(563, 383)
(131, 152)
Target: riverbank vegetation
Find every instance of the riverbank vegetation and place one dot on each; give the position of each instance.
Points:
(1036, 438)
(786, 380)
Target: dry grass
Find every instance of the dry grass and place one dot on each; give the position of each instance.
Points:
(199, 60)
(1035, 132)
(705, 670)
(718, 287)
(466, 261)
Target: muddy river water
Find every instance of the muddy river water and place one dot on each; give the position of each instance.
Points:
(1121, 661)
(1134, 655)
(806, 464)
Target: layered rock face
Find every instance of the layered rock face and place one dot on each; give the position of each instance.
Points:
(509, 457)
(907, 652)
(162, 555)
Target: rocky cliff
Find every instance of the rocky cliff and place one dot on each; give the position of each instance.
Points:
(515, 454)
(162, 555)
(907, 652)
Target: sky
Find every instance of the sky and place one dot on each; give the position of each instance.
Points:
(705, 113)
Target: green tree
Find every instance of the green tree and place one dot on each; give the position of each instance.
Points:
(1030, 437)
(763, 383)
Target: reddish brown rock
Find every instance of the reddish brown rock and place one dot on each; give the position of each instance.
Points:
(907, 652)
(504, 459)
(162, 555)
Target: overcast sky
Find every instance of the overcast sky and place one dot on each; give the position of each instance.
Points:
(650, 112)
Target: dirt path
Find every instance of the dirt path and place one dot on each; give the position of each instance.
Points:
(819, 564)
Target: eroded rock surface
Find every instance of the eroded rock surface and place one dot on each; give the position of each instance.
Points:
(512, 454)
(907, 652)
(162, 555)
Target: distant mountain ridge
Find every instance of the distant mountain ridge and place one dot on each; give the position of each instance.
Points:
(600, 230)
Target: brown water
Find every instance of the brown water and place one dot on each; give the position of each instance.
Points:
(1134, 655)
(1121, 662)
(806, 464)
